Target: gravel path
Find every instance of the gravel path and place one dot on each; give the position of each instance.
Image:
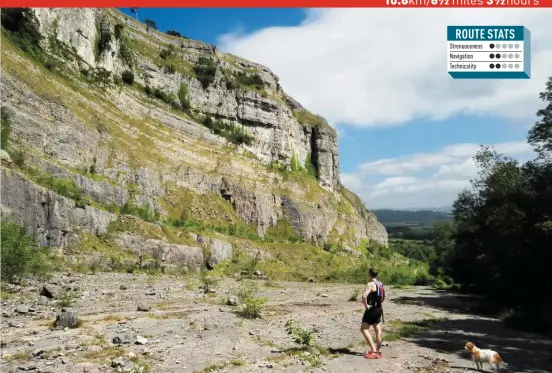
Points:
(183, 330)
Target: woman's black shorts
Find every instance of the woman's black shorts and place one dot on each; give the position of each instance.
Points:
(372, 316)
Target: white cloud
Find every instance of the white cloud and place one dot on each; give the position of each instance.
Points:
(448, 156)
(395, 182)
(369, 67)
(423, 179)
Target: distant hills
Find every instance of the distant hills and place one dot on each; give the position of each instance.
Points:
(409, 217)
(439, 209)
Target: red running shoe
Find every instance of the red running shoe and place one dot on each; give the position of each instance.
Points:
(371, 355)
(379, 354)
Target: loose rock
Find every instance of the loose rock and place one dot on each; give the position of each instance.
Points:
(67, 318)
(141, 341)
(51, 291)
(144, 308)
(22, 309)
(232, 301)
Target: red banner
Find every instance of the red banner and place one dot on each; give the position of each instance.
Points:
(278, 3)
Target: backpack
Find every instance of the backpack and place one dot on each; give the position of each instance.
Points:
(380, 292)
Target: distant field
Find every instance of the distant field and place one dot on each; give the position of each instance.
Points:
(404, 224)
(411, 225)
(402, 218)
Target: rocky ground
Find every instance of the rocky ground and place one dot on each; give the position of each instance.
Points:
(142, 323)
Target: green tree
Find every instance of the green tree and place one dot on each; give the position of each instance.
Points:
(487, 219)
(150, 24)
(443, 246)
(205, 71)
(20, 255)
(134, 11)
(128, 77)
(22, 27)
(540, 136)
(6, 129)
(183, 97)
(174, 33)
(503, 229)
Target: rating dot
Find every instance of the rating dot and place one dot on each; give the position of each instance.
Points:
(498, 66)
(516, 46)
(497, 55)
(491, 46)
(503, 55)
(491, 55)
(516, 65)
(517, 55)
(504, 45)
(510, 46)
(498, 46)
(491, 65)
(510, 55)
(510, 66)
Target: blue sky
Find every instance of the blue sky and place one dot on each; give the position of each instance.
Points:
(407, 130)
(209, 24)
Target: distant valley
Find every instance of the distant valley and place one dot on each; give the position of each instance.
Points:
(391, 218)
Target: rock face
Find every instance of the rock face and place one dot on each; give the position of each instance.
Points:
(278, 135)
(53, 219)
(189, 256)
(124, 145)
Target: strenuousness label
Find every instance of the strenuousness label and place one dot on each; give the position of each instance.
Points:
(489, 52)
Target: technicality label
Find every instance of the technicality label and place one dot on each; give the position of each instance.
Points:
(489, 52)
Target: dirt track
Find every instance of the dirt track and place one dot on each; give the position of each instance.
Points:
(187, 331)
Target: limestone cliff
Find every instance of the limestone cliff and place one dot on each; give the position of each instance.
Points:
(143, 121)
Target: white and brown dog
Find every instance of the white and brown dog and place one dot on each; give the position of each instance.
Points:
(480, 356)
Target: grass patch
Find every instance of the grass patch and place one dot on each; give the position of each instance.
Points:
(110, 318)
(436, 366)
(62, 186)
(144, 213)
(19, 357)
(212, 368)
(306, 117)
(237, 135)
(282, 231)
(108, 353)
(245, 80)
(97, 340)
(151, 52)
(301, 262)
(107, 255)
(67, 299)
(131, 224)
(272, 284)
(402, 329)
(169, 315)
(237, 362)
